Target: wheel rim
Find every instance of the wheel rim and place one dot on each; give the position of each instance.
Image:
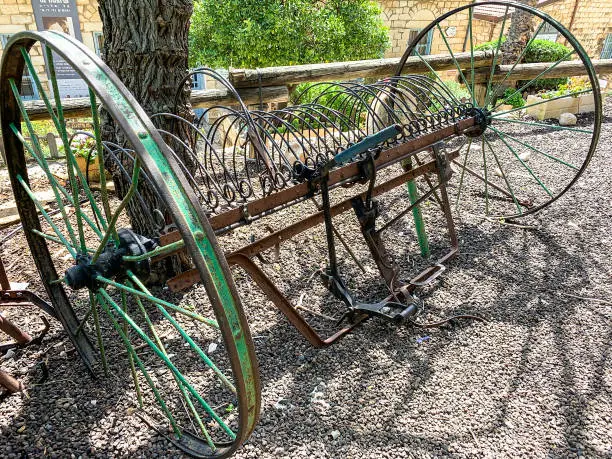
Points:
(212, 407)
(519, 165)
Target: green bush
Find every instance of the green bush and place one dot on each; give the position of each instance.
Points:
(539, 51)
(514, 98)
(262, 33)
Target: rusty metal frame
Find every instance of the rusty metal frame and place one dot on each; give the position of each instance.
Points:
(349, 174)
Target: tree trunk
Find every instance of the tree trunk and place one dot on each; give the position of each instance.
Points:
(519, 34)
(146, 45)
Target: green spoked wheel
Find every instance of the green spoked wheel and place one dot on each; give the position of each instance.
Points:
(520, 159)
(191, 358)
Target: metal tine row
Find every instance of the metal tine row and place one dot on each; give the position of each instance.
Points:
(240, 154)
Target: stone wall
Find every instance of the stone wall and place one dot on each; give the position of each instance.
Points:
(17, 15)
(593, 22)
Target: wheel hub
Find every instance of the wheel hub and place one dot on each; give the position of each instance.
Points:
(110, 263)
(483, 120)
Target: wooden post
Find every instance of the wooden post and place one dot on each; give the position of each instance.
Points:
(52, 145)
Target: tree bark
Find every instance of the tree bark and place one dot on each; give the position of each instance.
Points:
(519, 34)
(146, 45)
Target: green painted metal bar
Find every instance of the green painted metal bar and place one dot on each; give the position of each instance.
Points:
(61, 128)
(549, 126)
(53, 238)
(168, 363)
(103, 298)
(70, 159)
(433, 72)
(518, 60)
(54, 182)
(163, 250)
(467, 153)
(495, 56)
(100, 158)
(504, 177)
(470, 26)
(184, 392)
(36, 146)
(185, 336)
(417, 215)
(545, 101)
(193, 315)
(554, 158)
(455, 61)
(500, 135)
(84, 320)
(46, 216)
(124, 202)
(486, 179)
(96, 317)
(528, 84)
(130, 356)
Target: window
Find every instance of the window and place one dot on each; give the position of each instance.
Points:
(606, 52)
(198, 81)
(28, 88)
(424, 46)
(548, 33)
(98, 38)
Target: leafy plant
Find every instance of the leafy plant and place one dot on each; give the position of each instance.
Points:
(573, 87)
(514, 98)
(260, 33)
(538, 51)
(84, 146)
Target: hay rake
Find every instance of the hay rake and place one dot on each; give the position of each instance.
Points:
(341, 150)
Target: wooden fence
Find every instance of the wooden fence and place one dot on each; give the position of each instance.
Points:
(272, 84)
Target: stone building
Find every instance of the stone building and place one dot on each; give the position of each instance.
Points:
(589, 20)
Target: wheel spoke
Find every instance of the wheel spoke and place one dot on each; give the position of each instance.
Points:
(543, 125)
(467, 153)
(36, 146)
(470, 17)
(54, 239)
(107, 302)
(545, 101)
(433, 72)
(491, 97)
(554, 158)
(185, 336)
(184, 392)
(130, 356)
(70, 159)
(500, 135)
(100, 158)
(495, 56)
(504, 176)
(455, 61)
(56, 186)
(166, 361)
(124, 202)
(46, 216)
(96, 317)
(166, 304)
(529, 83)
(486, 179)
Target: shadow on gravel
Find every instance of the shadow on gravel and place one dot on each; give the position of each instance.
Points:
(532, 266)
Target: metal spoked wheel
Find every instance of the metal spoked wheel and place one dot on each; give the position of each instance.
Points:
(191, 358)
(519, 160)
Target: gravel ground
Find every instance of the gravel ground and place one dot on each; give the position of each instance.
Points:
(534, 381)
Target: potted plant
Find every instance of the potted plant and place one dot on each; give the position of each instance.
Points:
(84, 150)
(578, 100)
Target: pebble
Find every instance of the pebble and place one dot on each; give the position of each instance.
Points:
(568, 119)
